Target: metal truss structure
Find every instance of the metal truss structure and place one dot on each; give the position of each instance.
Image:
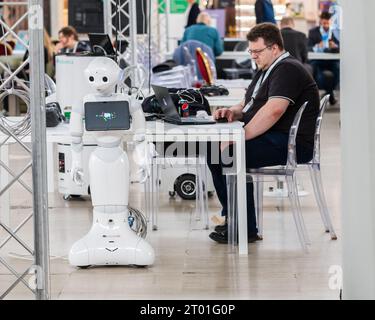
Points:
(160, 10)
(116, 11)
(36, 276)
(152, 43)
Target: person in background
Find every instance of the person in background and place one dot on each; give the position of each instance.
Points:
(295, 42)
(192, 13)
(322, 39)
(69, 42)
(203, 32)
(264, 11)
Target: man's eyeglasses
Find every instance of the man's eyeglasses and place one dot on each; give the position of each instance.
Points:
(258, 51)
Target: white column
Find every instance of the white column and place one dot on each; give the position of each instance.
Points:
(358, 148)
(57, 17)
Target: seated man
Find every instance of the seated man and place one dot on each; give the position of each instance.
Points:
(271, 102)
(322, 39)
(69, 42)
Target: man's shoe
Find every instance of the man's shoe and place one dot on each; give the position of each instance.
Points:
(221, 228)
(332, 99)
(222, 237)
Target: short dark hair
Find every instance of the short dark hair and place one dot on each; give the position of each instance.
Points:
(269, 32)
(325, 15)
(69, 31)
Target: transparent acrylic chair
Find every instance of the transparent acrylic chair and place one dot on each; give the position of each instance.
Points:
(315, 174)
(192, 65)
(152, 187)
(316, 178)
(257, 176)
(177, 77)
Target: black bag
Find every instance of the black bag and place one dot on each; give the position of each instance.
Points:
(213, 91)
(54, 115)
(195, 99)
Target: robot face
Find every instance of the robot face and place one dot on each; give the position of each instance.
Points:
(103, 74)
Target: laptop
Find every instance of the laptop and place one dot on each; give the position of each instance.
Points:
(170, 112)
(101, 43)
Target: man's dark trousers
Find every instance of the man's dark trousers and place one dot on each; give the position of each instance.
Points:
(319, 66)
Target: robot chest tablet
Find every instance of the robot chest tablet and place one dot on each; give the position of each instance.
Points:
(107, 115)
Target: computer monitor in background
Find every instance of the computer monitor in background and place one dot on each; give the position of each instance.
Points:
(86, 16)
(101, 43)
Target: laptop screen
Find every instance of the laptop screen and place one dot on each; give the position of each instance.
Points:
(166, 103)
(100, 43)
(107, 115)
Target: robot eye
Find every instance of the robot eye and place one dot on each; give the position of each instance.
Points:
(91, 79)
(105, 79)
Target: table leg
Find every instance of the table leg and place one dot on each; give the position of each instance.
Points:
(241, 196)
(4, 180)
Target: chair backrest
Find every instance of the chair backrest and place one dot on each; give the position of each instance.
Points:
(192, 45)
(191, 63)
(181, 57)
(318, 126)
(188, 58)
(177, 77)
(292, 153)
(206, 67)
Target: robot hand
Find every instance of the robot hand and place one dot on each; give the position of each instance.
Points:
(142, 156)
(77, 175)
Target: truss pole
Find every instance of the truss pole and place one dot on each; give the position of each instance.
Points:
(38, 134)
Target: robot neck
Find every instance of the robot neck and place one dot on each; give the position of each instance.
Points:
(106, 93)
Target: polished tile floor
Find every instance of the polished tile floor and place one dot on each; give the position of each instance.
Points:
(188, 264)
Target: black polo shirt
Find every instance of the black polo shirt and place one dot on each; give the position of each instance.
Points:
(289, 80)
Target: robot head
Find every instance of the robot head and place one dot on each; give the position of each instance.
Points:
(103, 74)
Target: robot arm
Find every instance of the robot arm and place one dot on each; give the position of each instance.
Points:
(76, 132)
(143, 151)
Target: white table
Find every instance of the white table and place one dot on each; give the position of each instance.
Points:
(243, 55)
(157, 131)
(224, 101)
(233, 55)
(323, 56)
(237, 89)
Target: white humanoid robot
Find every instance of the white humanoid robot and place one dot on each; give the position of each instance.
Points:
(110, 241)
